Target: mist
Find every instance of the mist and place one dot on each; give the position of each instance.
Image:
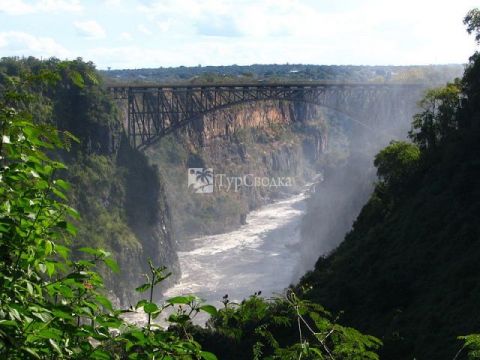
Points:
(348, 180)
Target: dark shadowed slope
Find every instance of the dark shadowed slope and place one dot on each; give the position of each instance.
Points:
(409, 270)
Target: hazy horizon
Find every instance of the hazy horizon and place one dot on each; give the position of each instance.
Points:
(285, 64)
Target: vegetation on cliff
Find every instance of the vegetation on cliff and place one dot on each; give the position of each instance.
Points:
(114, 187)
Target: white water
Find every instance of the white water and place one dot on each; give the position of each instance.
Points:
(261, 255)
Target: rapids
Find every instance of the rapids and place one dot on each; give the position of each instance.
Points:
(259, 256)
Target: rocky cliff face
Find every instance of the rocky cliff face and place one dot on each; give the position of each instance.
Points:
(148, 217)
(225, 123)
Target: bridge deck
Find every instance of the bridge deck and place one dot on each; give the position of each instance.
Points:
(307, 84)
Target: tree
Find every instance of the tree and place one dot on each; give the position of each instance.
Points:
(397, 162)
(438, 119)
(472, 21)
(285, 327)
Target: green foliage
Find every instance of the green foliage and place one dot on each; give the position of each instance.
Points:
(439, 116)
(43, 293)
(264, 329)
(472, 21)
(472, 344)
(68, 96)
(120, 209)
(397, 163)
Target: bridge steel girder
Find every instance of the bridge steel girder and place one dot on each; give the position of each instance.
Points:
(154, 111)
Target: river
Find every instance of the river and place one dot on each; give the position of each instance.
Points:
(262, 256)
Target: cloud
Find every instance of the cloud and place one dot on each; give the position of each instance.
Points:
(113, 2)
(20, 7)
(17, 43)
(267, 18)
(190, 17)
(126, 36)
(191, 32)
(164, 26)
(231, 18)
(218, 26)
(90, 29)
(144, 30)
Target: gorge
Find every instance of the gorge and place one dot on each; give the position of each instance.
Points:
(269, 139)
(266, 138)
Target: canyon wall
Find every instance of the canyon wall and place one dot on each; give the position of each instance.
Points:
(263, 139)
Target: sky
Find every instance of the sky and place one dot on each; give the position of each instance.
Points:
(152, 33)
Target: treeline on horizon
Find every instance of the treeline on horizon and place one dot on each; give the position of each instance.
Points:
(431, 74)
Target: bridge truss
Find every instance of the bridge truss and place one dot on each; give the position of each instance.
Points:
(154, 111)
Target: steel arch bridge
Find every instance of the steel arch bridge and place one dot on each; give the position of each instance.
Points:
(154, 111)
